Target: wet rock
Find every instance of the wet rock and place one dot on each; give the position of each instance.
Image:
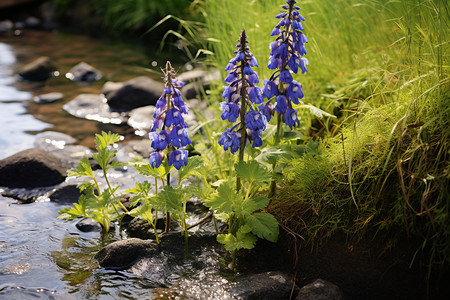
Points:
(92, 107)
(320, 290)
(141, 119)
(269, 286)
(89, 225)
(32, 22)
(66, 194)
(26, 195)
(84, 72)
(137, 149)
(32, 168)
(48, 98)
(6, 25)
(51, 140)
(38, 70)
(137, 92)
(193, 75)
(111, 86)
(122, 254)
(194, 90)
(140, 228)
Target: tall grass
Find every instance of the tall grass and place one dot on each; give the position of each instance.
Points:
(385, 65)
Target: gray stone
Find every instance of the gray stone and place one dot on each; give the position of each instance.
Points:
(32, 22)
(111, 86)
(89, 225)
(52, 140)
(6, 25)
(320, 289)
(84, 72)
(267, 286)
(92, 107)
(48, 98)
(137, 92)
(123, 254)
(38, 70)
(32, 168)
(66, 194)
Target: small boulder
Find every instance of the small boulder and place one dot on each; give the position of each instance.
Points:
(38, 70)
(66, 194)
(48, 98)
(137, 92)
(84, 72)
(267, 286)
(124, 253)
(320, 290)
(89, 225)
(92, 107)
(6, 25)
(32, 168)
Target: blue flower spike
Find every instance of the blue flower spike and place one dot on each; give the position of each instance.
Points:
(170, 132)
(286, 59)
(243, 100)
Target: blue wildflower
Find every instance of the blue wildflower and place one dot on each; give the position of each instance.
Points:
(230, 140)
(174, 117)
(178, 158)
(255, 120)
(156, 159)
(290, 118)
(160, 139)
(179, 137)
(230, 111)
(281, 104)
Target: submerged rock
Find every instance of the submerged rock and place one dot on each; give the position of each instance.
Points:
(268, 286)
(89, 225)
(134, 93)
(92, 107)
(320, 290)
(38, 70)
(48, 98)
(84, 72)
(32, 168)
(65, 194)
(122, 254)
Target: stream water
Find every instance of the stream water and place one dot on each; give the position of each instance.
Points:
(42, 257)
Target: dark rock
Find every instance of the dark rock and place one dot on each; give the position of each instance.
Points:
(137, 92)
(89, 225)
(194, 90)
(26, 195)
(92, 107)
(66, 194)
(32, 168)
(320, 290)
(122, 254)
(111, 86)
(38, 70)
(140, 228)
(48, 98)
(84, 72)
(32, 22)
(6, 25)
(268, 286)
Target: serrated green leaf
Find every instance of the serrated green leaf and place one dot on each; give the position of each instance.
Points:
(253, 171)
(116, 164)
(253, 204)
(143, 211)
(223, 200)
(83, 169)
(293, 135)
(103, 157)
(317, 111)
(171, 200)
(242, 240)
(264, 225)
(194, 163)
(104, 139)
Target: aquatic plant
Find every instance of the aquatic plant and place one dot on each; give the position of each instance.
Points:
(100, 205)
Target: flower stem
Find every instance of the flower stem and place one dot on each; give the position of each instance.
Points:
(243, 109)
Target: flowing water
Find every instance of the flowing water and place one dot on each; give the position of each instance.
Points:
(42, 257)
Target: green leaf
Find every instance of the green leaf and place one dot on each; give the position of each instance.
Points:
(147, 170)
(143, 211)
(116, 164)
(171, 200)
(103, 157)
(83, 169)
(317, 111)
(242, 240)
(223, 200)
(194, 163)
(253, 171)
(264, 225)
(105, 139)
(255, 203)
